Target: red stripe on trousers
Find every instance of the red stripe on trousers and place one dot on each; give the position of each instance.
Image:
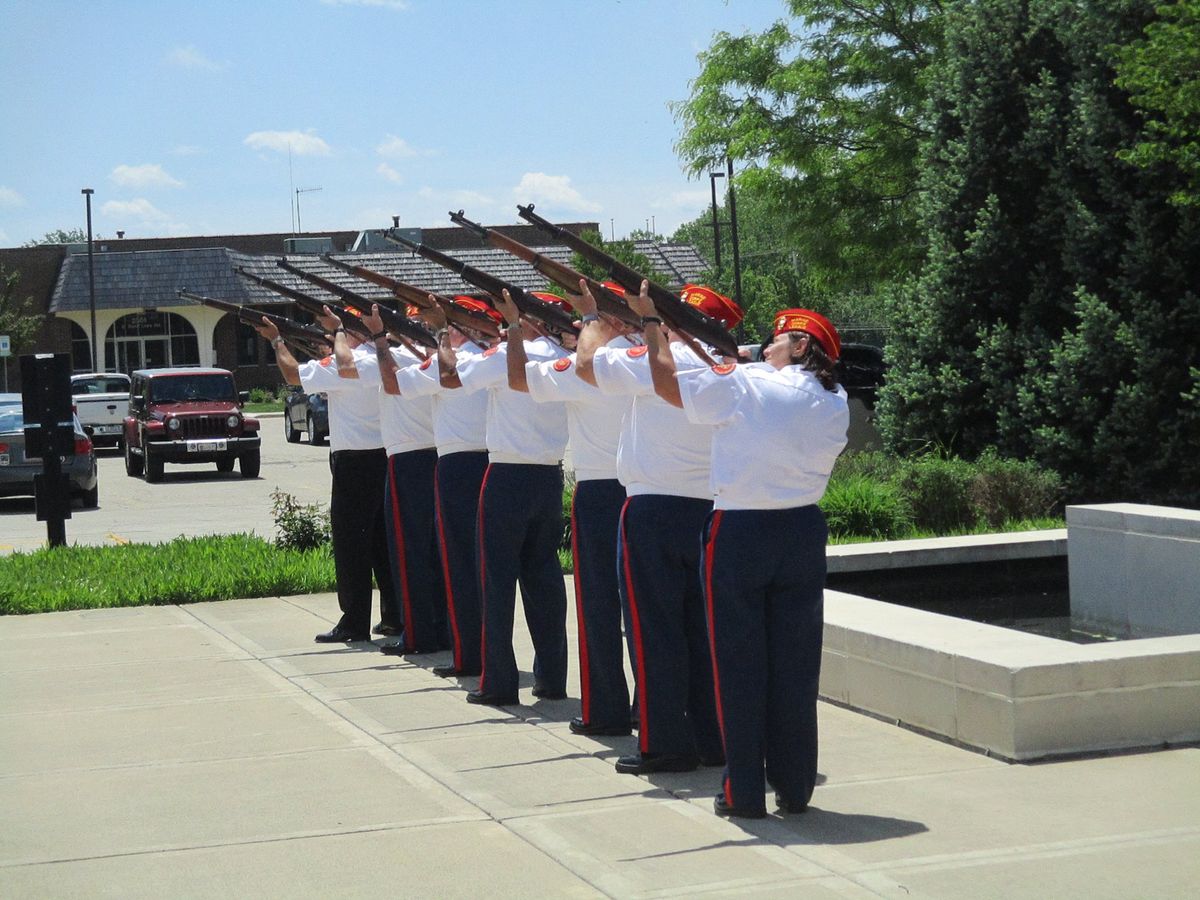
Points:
(585, 680)
(410, 638)
(643, 729)
(445, 557)
(710, 551)
(482, 576)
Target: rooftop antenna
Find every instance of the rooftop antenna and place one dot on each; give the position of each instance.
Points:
(292, 187)
(300, 191)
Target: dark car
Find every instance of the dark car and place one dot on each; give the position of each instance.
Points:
(306, 414)
(17, 469)
(188, 415)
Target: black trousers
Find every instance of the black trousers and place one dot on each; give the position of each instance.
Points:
(764, 579)
(520, 529)
(413, 548)
(595, 519)
(660, 567)
(458, 480)
(360, 537)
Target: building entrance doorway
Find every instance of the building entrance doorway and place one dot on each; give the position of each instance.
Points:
(150, 340)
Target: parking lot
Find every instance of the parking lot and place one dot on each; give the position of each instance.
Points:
(190, 500)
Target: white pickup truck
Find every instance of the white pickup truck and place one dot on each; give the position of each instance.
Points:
(102, 402)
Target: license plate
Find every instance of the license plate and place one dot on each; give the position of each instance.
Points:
(3, 459)
(206, 446)
(107, 429)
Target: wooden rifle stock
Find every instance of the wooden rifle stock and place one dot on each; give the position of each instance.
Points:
(608, 302)
(311, 304)
(677, 314)
(554, 317)
(405, 330)
(309, 339)
(474, 324)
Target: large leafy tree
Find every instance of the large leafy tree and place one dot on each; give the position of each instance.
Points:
(60, 236)
(1161, 71)
(18, 316)
(824, 113)
(1057, 314)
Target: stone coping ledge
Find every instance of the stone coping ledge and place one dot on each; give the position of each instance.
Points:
(1137, 518)
(971, 548)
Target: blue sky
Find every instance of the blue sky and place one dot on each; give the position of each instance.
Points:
(180, 115)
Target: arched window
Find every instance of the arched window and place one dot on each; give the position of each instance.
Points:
(81, 349)
(151, 340)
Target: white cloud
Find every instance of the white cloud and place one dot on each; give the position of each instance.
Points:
(302, 143)
(147, 175)
(397, 5)
(140, 209)
(553, 190)
(389, 173)
(461, 198)
(191, 58)
(9, 197)
(398, 148)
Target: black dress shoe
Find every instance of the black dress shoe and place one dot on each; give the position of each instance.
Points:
(545, 693)
(578, 726)
(721, 808)
(383, 628)
(340, 635)
(451, 672)
(788, 808)
(484, 699)
(648, 763)
(396, 649)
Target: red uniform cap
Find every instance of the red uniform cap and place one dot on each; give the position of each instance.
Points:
(411, 309)
(811, 323)
(479, 306)
(552, 298)
(712, 304)
(614, 287)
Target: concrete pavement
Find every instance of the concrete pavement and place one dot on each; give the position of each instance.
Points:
(214, 751)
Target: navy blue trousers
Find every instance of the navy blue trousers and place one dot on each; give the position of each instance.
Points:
(459, 478)
(413, 549)
(520, 529)
(360, 537)
(660, 564)
(764, 574)
(595, 520)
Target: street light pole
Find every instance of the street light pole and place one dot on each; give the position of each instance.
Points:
(737, 262)
(87, 193)
(716, 224)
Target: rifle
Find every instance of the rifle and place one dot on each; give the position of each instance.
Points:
(311, 304)
(608, 303)
(401, 327)
(554, 317)
(309, 339)
(474, 324)
(677, 314)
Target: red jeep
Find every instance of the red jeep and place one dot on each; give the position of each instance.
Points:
(188, 416)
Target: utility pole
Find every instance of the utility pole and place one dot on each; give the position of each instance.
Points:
(737, 262)
(300, 191)
(87, 193)
(716, 224)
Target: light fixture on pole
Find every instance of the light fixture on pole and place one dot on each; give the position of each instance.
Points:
(716, 224)
(87, 193)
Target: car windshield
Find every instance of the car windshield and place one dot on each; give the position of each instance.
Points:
(100, 384)
(181, 388)
(11, 418)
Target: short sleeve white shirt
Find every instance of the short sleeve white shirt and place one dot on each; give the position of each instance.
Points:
(459, 416)
(353, 404)
(777, 433)
(406, 423)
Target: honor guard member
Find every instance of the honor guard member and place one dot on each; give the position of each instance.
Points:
(663, 461)
(594, 422)
(358, 463)
(520, 522)
(459, 434)
(779, 427)
(406, 424)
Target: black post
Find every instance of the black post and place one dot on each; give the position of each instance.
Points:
(716, 226)
(95, 364)
(737, 262)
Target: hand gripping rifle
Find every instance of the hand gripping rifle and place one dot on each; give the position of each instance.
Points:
(311, 304)
(309, 339)
(399, 325)
(677, 314)
(554, 317)
(608, 303)
(477, 326)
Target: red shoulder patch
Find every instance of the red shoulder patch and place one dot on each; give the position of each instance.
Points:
(561, 365)
(426, 363)
(724, 368)
(327, 361)
(635, 352)
(491, 350)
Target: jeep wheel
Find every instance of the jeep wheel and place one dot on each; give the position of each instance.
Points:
(314, 434)
(154, 466)
(290, 431)
(250, 464)
(90, 499)
(133, 464)
(226, 464)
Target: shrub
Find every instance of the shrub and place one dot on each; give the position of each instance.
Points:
(938, 490)
(873, 464)
(299, 526)
(858, 505)
(1004, 490)
(567, 495)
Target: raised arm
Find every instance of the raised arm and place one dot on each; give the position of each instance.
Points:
(383, 351)
(288, 367)
(594, 332)
(662, 362)
(515, 354)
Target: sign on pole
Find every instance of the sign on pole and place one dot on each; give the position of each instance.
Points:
(5, 345)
